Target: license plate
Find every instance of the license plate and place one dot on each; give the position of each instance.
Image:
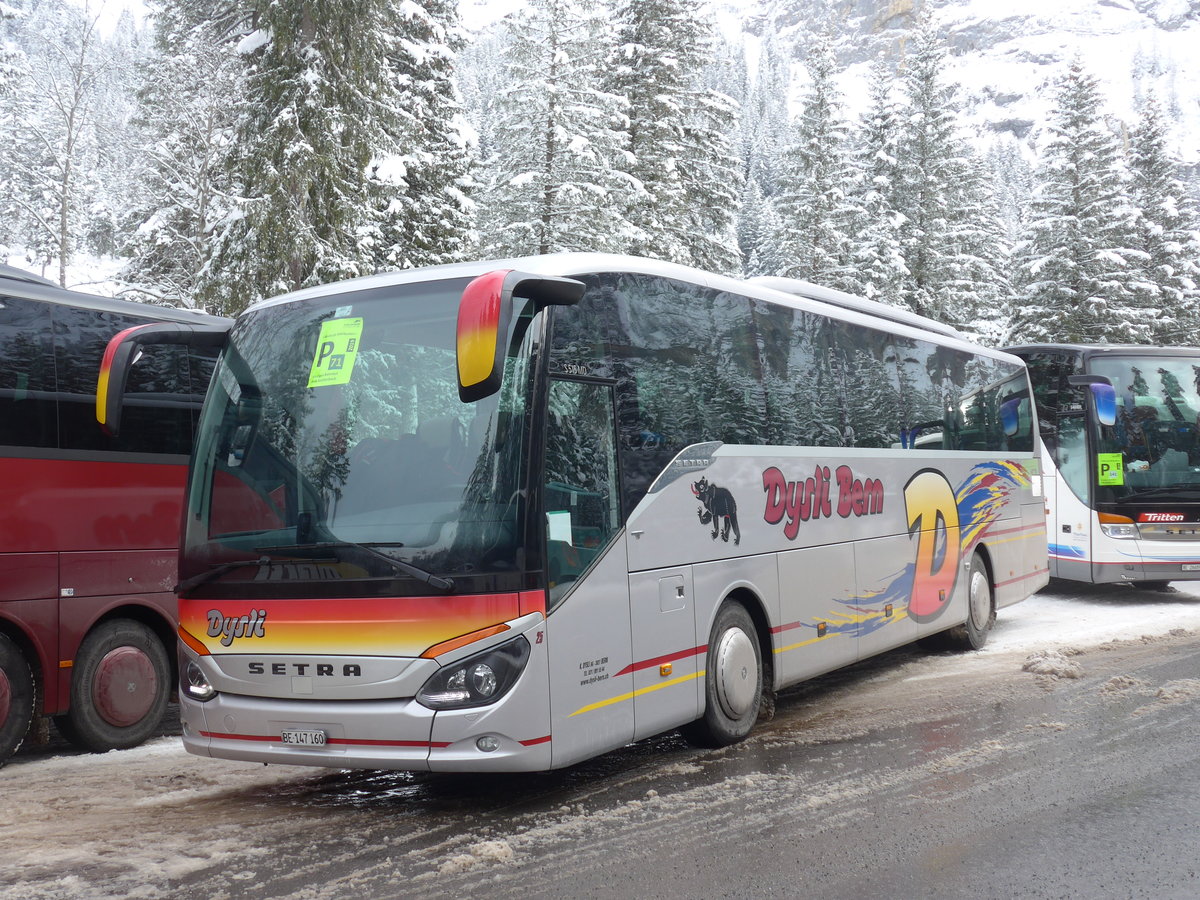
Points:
(1191, 567)
(304, 738)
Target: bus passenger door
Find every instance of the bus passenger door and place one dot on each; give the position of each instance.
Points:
(587, 575)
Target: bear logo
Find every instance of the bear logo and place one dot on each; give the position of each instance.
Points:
(719, 508)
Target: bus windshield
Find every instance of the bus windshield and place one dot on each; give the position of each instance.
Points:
(1157, 431)
(335, 442)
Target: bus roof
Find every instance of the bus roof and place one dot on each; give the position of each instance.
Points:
(799, 294)
(16, 282)
(1089, 350)
(860, 304)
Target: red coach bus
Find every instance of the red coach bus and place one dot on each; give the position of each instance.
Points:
(89, 523)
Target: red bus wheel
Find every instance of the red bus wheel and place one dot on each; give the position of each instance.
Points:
(119, 688)
(16, 698)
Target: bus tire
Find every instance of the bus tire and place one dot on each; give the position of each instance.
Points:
(121, 680)
(733, 681)
(18, 695)
(981, 610)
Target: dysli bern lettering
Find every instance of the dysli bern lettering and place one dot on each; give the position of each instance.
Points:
(230, 627)
(810, 498)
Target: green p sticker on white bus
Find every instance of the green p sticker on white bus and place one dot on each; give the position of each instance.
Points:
(337, 348)
(1110, 469)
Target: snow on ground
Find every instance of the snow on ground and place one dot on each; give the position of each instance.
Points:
(1087, 615)
(126, 824)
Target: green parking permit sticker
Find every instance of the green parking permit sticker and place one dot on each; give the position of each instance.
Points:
(1111, 468)
(337, 348)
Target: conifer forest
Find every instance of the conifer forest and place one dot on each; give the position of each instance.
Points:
(229, 151)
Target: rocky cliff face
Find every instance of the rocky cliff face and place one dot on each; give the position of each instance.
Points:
(1007, 54)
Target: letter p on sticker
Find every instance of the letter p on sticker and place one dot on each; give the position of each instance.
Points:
(337, 349)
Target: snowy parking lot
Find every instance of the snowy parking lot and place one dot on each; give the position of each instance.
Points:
(154, 822)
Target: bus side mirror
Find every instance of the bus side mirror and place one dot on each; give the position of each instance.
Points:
(484, 313)
(1104, 396)
(1010, 416)
(125, 348)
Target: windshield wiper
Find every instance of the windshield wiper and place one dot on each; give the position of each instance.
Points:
(446, 585)
(222, 568)
(1172, 492)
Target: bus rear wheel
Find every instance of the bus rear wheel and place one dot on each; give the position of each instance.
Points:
(119, 688)
(733, 681)
(981, 610)
(17, 695)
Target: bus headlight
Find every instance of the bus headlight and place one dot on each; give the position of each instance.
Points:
(477, 680)
(195, 682)
(1115, 526)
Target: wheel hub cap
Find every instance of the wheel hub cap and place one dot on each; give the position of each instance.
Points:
(737, 672)
(980, 600)
(124, 687)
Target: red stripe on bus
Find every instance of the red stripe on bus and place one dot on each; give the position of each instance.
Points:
(778, 629)
(659, 660)
(1033, 574)
(541, 740)
(1018, 530)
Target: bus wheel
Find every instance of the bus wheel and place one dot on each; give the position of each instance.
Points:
(17, 696)
(733, 681)
(119, 688)
(981, 610)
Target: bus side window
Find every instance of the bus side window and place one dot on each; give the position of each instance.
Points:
(580, 488)
(27, 408)
(157, 417)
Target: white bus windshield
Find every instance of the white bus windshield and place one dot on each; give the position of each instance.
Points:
(1157, 431)
(335, 425)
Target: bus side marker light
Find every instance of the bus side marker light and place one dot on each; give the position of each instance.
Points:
(820, 629)
(665, 669)
(887, 610)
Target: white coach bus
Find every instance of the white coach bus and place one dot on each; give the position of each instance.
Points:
(1120, 431)
(506, 516)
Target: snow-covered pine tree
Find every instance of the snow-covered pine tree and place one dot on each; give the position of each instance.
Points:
(320, 107)
(12, 66)
(10, 56)
(762, 138)
(764, 119)
(1075, 261)
(556, 177)
(119, 165)
(190, 83)
(934, 162)
(815, 214)
(430, 219)
(680, 134)
(1167, 271)
(978, 289)
(877, 258)
(48, 179)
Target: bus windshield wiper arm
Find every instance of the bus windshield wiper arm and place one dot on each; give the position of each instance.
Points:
(219, 569)
(1174, 492)
(445, 585)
